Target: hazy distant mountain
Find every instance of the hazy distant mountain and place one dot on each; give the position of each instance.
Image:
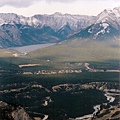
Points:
(16, 30)
(106, 25)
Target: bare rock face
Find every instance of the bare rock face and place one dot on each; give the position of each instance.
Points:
(12, 112)
(20, 114)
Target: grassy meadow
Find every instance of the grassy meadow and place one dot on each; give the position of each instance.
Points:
(97, 53)
(80, 50)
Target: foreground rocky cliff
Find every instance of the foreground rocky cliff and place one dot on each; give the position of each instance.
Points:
(12, 112)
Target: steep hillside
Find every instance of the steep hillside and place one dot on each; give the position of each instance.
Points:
(80, 50)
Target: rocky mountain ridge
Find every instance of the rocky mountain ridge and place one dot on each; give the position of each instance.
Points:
(56, 21)
(17, 30)
(105, 26)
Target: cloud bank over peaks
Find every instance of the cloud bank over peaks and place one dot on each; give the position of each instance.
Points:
(27, 3)
(17, 3)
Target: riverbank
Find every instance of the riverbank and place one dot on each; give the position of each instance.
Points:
(110, 98)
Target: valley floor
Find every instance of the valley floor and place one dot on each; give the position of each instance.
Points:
(103, 97)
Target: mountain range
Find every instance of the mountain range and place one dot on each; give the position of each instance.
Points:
(17, 30)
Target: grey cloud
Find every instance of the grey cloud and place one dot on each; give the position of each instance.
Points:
(17, 3)
(26, 3)
(61, 0)
(74, 0)
(67, 1)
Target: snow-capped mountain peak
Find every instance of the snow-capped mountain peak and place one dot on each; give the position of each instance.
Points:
(110, 16)
(58, 20)
(10, 18)
(105, 15)
(106, 25)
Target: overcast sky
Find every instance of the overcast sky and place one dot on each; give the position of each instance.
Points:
(31, 7)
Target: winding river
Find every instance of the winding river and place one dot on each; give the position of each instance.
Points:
(97, 108)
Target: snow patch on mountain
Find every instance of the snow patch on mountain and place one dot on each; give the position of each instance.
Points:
(90, 30)
(105, 29)
(104, 25)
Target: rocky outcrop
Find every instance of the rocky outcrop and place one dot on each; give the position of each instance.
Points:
(103, 86)
(13, 112)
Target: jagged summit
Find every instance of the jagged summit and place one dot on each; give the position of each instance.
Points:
(106, 25)
(109, 15)
(58, 14)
